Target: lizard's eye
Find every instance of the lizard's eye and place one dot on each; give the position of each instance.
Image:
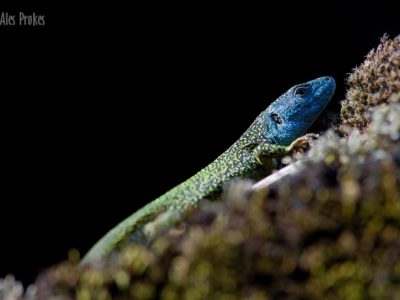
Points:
(301, 91)
(277, 119)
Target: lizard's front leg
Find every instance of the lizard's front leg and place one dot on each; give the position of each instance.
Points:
(265, 152)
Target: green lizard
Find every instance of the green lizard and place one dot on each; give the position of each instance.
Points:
(276, 132)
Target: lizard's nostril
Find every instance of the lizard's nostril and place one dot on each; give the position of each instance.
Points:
(327, 78)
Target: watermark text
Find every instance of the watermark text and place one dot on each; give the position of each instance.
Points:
(22, 19)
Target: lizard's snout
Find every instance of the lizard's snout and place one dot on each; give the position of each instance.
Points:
(328, 81)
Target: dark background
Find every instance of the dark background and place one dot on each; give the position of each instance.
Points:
(104, 109)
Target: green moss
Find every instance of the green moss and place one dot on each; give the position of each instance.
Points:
(375, 81)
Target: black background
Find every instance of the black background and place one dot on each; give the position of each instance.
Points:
(104, 109)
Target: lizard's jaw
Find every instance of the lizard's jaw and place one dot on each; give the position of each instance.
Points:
(310, 107)
(325, 90)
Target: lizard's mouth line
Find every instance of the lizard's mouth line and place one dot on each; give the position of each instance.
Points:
(322, 91)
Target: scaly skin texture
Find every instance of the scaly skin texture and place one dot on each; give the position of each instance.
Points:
(274, 134)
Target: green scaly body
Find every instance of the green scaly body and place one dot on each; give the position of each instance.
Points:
(251, 156)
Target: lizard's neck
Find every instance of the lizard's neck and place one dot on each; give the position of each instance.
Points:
(237, 161)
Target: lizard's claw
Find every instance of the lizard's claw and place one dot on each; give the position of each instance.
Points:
(258, 159)
(302, 143)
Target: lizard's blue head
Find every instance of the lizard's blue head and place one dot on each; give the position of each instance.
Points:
(292, 114)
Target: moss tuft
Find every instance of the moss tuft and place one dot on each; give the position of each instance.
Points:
(375, 81)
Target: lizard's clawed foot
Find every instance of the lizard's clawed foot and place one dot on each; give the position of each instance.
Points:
(162, 224)
(302, 143)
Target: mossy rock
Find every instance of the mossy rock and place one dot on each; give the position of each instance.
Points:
(331, 232)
